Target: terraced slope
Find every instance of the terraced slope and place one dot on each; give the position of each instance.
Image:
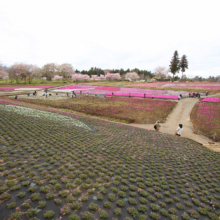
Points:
(52, 170)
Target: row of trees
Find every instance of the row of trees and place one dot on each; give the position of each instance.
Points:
(51, 71)
(176, 64)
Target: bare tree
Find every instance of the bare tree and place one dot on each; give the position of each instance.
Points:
(33, 72)
(66, 70)
(49, 70)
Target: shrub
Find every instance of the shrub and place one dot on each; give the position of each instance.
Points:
(57, 186)
(63, 193)
(76, 205)
(117, 211)
(16, 216)
(69, 199)
(179, 206)
(172, 211)
(142, 200)
(121, 203)
(76, 192)
(100, 197)
(65, 210)
(87, 215)
(5, 196)
(103, 214)
(185, 216)
(132, 211)
(44, 189)
(154, 207)
(121, 194)
(142, 217)
(132, 201)
(31, 212)
(111, 197)
(35, 196)
(193, 214)
(168, 200)
(11, 205)
(142, 208)
(164, 212)
(41, 204)
(49, 214)
(57, 201)
(151, 198)
(143, 193)
(90, 191)
(107, 205)
(74, 217)
(203, 211)
(21, 194)
(154, 216)
(85, 198)
(49, 196)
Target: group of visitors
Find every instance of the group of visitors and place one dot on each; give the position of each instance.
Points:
(180, 97)
(194, 95)
(178, 130)
(74, 94)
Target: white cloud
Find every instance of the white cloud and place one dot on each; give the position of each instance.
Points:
(111, 34)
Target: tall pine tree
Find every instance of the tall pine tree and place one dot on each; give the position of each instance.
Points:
(183, 64)
(174, 63)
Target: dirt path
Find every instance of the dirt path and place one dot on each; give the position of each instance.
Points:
(181, 115)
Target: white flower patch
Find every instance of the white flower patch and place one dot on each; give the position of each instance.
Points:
(44, 115)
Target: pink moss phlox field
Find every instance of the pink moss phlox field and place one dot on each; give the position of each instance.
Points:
(121, 91)
(208, 116)
(211, 100)
(187, 85)
(142, 95)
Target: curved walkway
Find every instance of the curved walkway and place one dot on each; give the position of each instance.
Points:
(181, 115)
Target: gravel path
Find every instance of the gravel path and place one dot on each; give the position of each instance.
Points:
(181, 115)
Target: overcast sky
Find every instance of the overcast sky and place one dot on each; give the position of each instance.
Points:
(111, 34)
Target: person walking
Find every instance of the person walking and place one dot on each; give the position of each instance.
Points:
(157, 126)
(179, 130)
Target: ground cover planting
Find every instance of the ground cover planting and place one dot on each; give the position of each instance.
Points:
(123, 91)
(184, 86)
(205, 117)
(44, 115)
(51, 171)
(12, 88)
(214, 99)
(129, 110)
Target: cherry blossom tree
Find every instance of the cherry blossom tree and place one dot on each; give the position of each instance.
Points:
(95, 77)
(102, 77)
(161, 73)
(112, 76)
(78, 76)
(44, 78)
(18, 71)
(132, 76)
(57, 78)
(3, 73)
